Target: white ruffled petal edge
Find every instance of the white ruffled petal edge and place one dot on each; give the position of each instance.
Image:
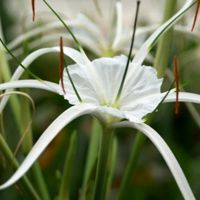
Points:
(48, 135)
(167, 154)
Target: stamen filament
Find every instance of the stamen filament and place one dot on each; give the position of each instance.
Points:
(61, 64)
(73, 85)
(196, 15)
(66, 26)
(176, 77)
(33, 9)
(130, 53)
(18, 62)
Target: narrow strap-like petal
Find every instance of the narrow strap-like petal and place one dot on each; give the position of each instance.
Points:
(167, 154)
(72, 53)
(119, 23)
(150, 42)
(48, 135)
(31, 83)
(183, 97)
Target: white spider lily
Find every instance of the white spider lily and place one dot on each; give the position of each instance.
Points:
(97, 83)
(140, 96)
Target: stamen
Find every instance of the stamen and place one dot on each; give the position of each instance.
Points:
(33, 9)
(196, 14)
(176, 77)
(61, 64)
(130, 52)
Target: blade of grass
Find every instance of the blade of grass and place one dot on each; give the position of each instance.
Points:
(102, 164)
(91, 157)
(11, 159)
(111, 167)
(64, 192)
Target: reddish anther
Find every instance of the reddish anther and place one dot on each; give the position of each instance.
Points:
(61, 64)
(33, 9)
(176, 77)
(196, 14)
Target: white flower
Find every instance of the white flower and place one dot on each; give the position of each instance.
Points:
(98, 89)
(98, 83)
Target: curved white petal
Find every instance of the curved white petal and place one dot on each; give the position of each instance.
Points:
(183, 97)
(146, 47)
(118, 25)
(48, 135)
(167, 154)
(81, 22)
(72, 53)
(44, 85)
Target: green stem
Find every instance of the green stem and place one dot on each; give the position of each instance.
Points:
(64, 192)
(165, 43)
(111, 167)
(102, 165)
(11, 159)
(91, 158)
(135, 153)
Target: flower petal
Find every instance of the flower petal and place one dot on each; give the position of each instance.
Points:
(109, 71)
(150, 42)
(167, 154)
(136, 96)
(48, 135)
(72, 53)
(118, 25)
(45, 85)
(183, 97)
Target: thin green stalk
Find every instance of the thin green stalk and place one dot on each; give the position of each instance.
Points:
(91, 157)
(102, 165)
(161, 61)
(11, 159)
(134, 156)
(111, 167)
(64, 192)
(129, 54)
(5, 76)
(165, 43)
